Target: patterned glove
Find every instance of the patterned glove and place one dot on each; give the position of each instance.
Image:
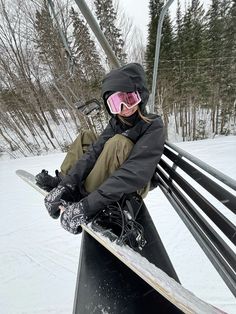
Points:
(73, 216)
(57, 197)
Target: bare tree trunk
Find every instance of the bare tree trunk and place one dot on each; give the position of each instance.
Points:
(176, 119)
(189, 122)
(218, 112)
(213, 114)
(186, 121)
(194, 123)
(10, 141)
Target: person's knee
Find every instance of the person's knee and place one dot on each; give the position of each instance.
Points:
(88, 137)
(117, 150)
(119, 142)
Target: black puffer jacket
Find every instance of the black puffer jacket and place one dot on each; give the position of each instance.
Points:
(148, 138)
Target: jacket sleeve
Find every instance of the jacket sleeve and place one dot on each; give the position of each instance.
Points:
(84, 165)
(135, 172)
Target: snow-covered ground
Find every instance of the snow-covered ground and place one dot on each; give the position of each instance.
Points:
(39, 260)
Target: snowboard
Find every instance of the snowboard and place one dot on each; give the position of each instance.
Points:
(116, 279)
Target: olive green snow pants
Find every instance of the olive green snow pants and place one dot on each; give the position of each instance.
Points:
(115, 152)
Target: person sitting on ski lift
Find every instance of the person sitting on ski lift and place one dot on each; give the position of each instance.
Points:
(98, 172)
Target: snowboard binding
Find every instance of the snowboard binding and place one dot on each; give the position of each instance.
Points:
(118, 223)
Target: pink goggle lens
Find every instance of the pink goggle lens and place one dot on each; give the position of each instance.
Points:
(116, 100)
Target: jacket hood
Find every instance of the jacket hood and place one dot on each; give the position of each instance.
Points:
(128, 78)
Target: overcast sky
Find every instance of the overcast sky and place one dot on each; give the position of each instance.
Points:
(138, 10)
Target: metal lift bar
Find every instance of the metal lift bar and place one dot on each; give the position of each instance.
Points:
(216, 216)
(157, 53)
(206, 241)
(222, 195)
(98, 33)
(211, 170)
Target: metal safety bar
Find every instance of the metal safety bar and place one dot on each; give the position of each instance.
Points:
(192, 206)
(157, 53)
(211, 170)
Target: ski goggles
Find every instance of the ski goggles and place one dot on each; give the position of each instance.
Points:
(129, 100)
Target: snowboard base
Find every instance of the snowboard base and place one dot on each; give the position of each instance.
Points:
(107, 285)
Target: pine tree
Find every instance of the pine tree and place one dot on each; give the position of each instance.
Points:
(190, 72)
(52, 52)
(85, 52)
(231, 29)
(178, 39)
(230, 50)
(219, 48)
(228, 65)
(193, 27)
(214, 30)
(192, 39)
(107, 16)
(178, 55)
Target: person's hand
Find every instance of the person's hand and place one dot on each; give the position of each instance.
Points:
(55, 198)
(47, 182)
(62, 209)
(73, 215)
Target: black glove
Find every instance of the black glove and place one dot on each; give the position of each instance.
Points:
(47, 182)
(57, 197)
(73, 216)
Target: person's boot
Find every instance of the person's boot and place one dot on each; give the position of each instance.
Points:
(46, 181)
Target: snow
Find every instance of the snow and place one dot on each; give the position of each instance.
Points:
(39, 260)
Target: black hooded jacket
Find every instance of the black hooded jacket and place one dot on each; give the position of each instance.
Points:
(148, 139)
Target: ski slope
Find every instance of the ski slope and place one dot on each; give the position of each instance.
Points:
(39, 260)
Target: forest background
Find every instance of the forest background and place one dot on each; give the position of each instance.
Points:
(43, 80)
